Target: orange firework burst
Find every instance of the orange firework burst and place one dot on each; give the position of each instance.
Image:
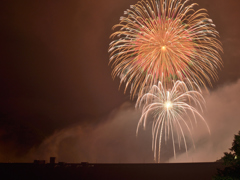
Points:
(164, 40)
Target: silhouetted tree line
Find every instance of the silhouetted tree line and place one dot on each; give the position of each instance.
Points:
(231, 161)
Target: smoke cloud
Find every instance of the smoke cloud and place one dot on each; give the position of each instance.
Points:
(223, 117)
(115, 141)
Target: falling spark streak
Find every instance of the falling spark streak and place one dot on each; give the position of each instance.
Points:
(164, 40)
(169, 108)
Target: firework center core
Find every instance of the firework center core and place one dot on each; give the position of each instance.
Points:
(163, 48)
(168, 104)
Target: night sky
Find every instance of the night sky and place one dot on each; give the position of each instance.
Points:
(57, 96)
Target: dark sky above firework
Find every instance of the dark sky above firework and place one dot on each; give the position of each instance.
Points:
(54, 71)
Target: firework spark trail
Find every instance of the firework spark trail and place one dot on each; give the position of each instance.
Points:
(168, 108)
(165, 50)
(164, 40)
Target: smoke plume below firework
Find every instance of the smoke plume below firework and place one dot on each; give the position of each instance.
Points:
(115, 140)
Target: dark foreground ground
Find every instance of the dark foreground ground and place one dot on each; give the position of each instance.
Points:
(56, 171)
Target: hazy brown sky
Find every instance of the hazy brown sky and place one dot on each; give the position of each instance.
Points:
(54, 69)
